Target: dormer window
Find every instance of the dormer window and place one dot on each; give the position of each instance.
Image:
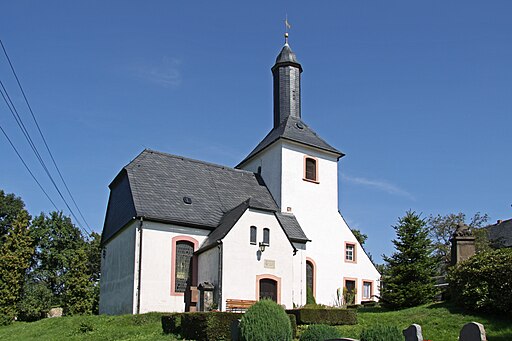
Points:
(310, 169)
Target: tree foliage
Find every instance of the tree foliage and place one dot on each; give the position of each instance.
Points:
(10, 207)
(441, 229)
(410, 270)
(484, 281)
(16, 251)
(361, 237)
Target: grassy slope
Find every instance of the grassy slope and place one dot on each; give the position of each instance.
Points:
(439, 322)
(126, 327)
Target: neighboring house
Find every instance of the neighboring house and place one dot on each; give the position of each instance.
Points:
(500, 234)
(270, 227)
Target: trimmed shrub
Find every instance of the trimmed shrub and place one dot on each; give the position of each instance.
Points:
(171, 323)
(330, 316)
(293, 324)
(483, 282)
(265, 321)
(381, 333)
(320, 332)
(207, 326)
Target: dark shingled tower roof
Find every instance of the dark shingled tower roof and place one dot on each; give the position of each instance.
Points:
(288, 123)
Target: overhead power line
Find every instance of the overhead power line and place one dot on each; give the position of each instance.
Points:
(33, 147)
(19, 121)
(28, 169)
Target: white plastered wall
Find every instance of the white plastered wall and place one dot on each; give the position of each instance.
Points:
(315, 205)
(241, 264)
(155, 291)
(117, 273)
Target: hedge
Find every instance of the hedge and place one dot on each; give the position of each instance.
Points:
(171, 323)
(207, 326)
(324, 316)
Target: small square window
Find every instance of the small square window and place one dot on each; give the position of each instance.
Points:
(350, 252)
(367, 290)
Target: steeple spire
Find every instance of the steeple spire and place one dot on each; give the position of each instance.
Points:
(286, 73)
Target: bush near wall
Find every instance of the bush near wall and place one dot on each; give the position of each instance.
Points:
(293, 323)
(207, 326)
(328, 316)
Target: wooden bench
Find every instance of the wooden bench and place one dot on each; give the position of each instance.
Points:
(238, 305)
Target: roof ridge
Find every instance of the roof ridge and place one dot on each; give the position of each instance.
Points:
(183, 158)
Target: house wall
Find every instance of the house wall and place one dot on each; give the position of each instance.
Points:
(156, 283)
(208, 268)
(118, 273)
(270, 162)
(243, 264)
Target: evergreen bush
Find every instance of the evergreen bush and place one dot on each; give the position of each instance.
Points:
(381, 333)
(265, 321)
(484, 282)
(204, 326)
(319, 314)
(320, 332)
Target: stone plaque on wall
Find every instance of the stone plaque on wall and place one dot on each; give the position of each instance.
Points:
(269, 264)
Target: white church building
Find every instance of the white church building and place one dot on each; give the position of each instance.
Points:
(269, 227)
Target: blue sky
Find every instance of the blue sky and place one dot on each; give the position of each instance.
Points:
(418, 94)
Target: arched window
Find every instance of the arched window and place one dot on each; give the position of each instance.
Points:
(310, 169)
(253, 234)
(266, 236)
(183, 269)
(310, 277)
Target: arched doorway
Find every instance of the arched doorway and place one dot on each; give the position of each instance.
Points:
(268, 289)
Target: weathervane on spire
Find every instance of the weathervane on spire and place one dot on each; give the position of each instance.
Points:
(287, 26)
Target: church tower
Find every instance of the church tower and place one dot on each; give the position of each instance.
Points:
(300, 169)
(286, 73)
(271, 157)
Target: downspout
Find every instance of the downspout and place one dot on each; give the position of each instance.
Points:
(139, 272)
(219, 296)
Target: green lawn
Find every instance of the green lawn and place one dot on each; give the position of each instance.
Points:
(126, 327)
(440, 322)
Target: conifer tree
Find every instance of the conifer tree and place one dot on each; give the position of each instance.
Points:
(409, 281)
(16, 251)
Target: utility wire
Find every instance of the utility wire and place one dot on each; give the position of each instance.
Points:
(28, 169)
(42, 136)
(18, 119)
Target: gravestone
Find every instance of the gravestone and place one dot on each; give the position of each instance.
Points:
(472, 331)
(413, 333)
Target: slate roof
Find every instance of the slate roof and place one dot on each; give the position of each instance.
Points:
(501, 233)
(291, 227)
(293, 129)
(155, 184)
(287, 57)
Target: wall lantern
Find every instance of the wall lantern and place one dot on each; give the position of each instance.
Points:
(263, 246)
